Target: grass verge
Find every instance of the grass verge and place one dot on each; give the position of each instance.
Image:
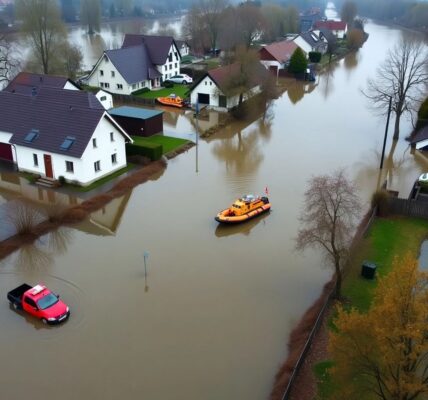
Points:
(179, 90)
(168, 143)
(387, 238)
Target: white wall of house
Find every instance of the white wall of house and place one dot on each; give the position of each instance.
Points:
(207, 86)
(70, 86)
(303, 44)
(270, 63)
(184, 50)
(170, 68)
(106, 99)
(84, 168)
(340, 34)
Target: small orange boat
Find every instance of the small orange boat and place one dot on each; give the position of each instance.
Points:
(171, 100)
(244, 209)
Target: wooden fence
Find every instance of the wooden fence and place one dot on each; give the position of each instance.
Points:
(408, 207)
(124, 98)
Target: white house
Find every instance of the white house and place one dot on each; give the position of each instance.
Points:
(142, 62)
(105, 98)
(210, 90)
(310, 41)
(56, 132)
(183, 47)
(338, 28)
(276, 56)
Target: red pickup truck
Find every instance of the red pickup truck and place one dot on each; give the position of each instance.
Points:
(40, 302)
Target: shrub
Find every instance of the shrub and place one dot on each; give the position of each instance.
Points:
(61, 180)
(298, 62)
(422, 115)
(153, 151)
(355, 39)
(315, 56)
(140, 91)
(167, 84)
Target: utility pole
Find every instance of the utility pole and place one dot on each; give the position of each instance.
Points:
(386, 132)
(197, 133)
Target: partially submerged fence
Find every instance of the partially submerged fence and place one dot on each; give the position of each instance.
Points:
(408, 207)
(124, 98)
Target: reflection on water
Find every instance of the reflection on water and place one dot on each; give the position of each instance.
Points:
(240, 229)
(423, 257)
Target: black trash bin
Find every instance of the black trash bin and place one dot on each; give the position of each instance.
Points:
(368, 270)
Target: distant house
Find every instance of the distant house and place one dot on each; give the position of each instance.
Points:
(142, 62)
(25, 82)
(327, 36)
(105, 98)
(308, 18)
(55, 132)
(212, 87)
(276, 56)
(138, 121)
(310, 41)
(338, 28)
(183, 47)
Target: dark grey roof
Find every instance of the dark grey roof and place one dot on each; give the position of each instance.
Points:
(73, 98)
(157, 46)
(421, 134)
(328, 35)
(133, 63)
(25, 81)
(313, 40)
(52, 117)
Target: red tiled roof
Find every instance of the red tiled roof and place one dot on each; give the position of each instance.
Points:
(281, 51)
(331, 25)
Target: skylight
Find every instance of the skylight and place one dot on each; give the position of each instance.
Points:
(67, 143)
(31, 136)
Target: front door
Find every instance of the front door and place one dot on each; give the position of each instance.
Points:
(48, 165)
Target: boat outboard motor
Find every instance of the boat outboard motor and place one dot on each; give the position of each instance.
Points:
(265, 200)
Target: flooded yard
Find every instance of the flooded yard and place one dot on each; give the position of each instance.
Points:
(210, 315)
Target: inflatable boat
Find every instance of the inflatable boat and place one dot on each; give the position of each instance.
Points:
(171, 100)
(244, 209)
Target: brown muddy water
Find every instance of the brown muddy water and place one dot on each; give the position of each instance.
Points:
(209, 316)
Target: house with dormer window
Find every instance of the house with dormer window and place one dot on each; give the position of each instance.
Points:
(143, 61)
(55, 133)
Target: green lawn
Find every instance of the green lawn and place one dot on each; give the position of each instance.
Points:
(101, 181)
(387, 238)
(179, 90)
(169, 143)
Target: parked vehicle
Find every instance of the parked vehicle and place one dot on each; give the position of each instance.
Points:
(182, 78)
(244, 209)
(40, 302)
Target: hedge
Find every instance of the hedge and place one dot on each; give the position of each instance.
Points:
(167, 84)
(141, 91)
(153, 151)
(315, 56)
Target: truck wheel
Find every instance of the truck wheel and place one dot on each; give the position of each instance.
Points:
(45, 321)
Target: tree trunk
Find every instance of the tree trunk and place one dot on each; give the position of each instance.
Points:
(338, 286)
(397, 126)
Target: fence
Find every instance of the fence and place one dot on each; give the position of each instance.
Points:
(408, 207)
(124, 98)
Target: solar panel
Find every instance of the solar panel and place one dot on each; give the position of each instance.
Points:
(31, 136)
(67, 143)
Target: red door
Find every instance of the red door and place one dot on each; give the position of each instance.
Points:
(6, 152)
(48, 165)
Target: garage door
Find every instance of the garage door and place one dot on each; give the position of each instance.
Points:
(6, 152)
(203, 98)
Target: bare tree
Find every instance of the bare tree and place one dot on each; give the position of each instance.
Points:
(403, 77)
(90, 15)
(211, 11)
(41, 23)
(331, 209)
(251, 22)
(9, 64)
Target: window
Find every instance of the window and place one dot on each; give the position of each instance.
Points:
(97, 166)
(103, 98)
(170, 66)
(94, 143)
(165, 67)
(114, 158)
(134, 86)
(206, 83)
(119, 86)
(36, 160)
(170, 57)
(175, 65)
(111, 136)
(67, 143)
(30, 137)
(69, 166)
(112, 74)
(107, 85)
(143, 84)
(176, 55)
(30, 302)
(211, 83)
(102, 84)
(101, 72)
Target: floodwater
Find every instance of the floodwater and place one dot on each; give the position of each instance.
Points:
(207, 316)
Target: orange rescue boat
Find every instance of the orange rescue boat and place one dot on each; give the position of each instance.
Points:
(171, 100)
(244, 209)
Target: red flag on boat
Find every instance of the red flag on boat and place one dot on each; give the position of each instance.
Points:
(267, 191)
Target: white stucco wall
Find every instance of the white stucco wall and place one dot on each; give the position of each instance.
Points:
(84, 171)
(70, 86)
(170, 68)
(106, 99)
(303, 44)
(207, 86)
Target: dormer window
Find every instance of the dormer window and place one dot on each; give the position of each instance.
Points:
(67, 143)
(31, 136)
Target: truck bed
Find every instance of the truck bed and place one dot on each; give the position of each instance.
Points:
(15, 295)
